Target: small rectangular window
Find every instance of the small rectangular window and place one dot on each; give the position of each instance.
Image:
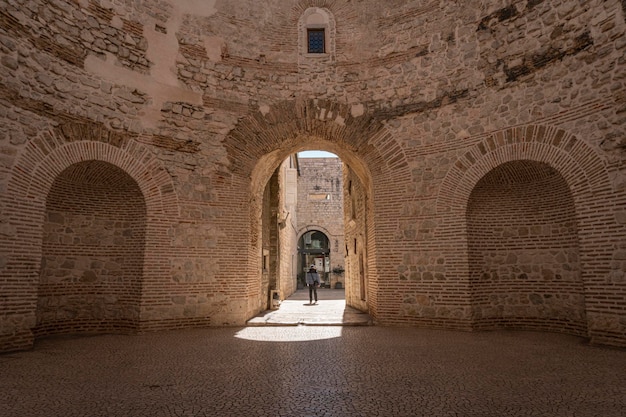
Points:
(266, 260)
(316, 41)
(319, 197)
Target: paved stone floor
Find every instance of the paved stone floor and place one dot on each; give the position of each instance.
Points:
(314, 371)
(297, 310)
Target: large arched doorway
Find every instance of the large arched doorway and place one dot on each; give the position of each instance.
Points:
(92, 252)
(523, 250)
(288, 246)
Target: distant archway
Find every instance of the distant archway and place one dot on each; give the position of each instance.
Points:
(314, 249)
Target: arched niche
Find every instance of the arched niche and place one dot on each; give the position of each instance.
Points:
(523, 250)
(92, 251)
(316, 34)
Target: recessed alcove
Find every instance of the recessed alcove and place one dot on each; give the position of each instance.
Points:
(92, 255)
(523, 250)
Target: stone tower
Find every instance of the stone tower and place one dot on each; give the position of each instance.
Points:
(484, 146)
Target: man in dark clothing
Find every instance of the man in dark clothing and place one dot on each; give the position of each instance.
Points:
(313, 281)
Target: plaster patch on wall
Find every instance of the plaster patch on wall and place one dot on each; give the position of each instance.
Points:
(203, 8)
(619, 180)
(163, 45)
(117, 22)
(162, 85)
(214, 46)
(106, 4)
(163, 51)
(160, 90)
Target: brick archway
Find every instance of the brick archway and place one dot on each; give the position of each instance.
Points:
(46, 156)
(93, 245)
(523, 250)
(586, 178)
(575, 160)
(300, 238)
(263, 139)
(313, 227)
(269, 134)
(43, 160)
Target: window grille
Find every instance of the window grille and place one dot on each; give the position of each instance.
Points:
(316, 41)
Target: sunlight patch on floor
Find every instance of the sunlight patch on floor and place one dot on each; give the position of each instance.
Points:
(289, 333)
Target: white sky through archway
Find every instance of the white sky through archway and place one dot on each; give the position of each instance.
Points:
(316, 154)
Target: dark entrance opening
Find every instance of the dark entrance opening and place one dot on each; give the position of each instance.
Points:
(314, 249)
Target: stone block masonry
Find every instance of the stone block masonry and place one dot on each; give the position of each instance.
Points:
(485, 162)
(320, 207)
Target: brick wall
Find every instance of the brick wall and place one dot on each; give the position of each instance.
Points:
(92, 260)
(523, 250)
(198, 107)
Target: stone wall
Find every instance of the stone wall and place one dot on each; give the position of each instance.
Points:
(287, 221)
(198, 105)
(320, 207)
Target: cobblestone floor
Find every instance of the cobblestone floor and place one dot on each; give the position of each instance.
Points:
(314, 371)
(296, 310)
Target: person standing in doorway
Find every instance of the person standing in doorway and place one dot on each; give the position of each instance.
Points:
(313, 281)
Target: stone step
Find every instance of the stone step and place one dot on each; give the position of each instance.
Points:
(330, 310)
